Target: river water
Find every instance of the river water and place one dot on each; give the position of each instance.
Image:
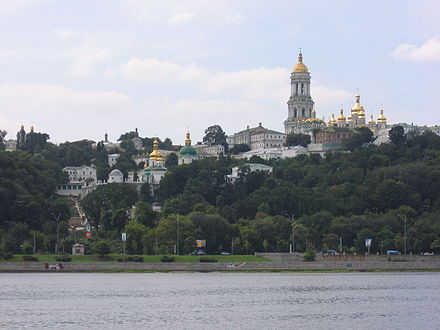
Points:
(220, 301)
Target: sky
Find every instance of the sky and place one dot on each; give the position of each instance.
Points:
(76, 69)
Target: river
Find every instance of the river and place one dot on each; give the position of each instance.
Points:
(220, 301)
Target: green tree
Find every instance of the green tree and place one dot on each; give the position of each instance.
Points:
(215, 135)
(298, 139)
(397, 135)
(135, 233)
(171, 160)
(101, 248)
(144, 214)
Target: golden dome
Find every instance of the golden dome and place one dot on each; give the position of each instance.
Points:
(381, 118)
(332, 121)
(371, 121)
(341, 117)
(155, 154)
(300, 66)
(357, 108)
(188, 139)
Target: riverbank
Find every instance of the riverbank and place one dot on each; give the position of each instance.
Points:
(262, 262)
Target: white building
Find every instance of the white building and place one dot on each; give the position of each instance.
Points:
(213, 150)
(112, 159)
(251, 167)
(282, 152)
(257, 138)
(81, 174)
(116, 176)
(10, 145)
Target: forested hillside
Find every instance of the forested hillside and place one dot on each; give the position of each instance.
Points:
(371, 192)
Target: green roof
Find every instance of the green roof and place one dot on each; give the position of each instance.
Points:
(188, 150)
(155, 168)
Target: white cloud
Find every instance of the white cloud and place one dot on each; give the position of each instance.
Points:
(260, 84)
(153, 70)
(330, 98)
(180, 11)
(85, 61)
(64, 34)
(232, 18)
(428, 51)
(7, 7)
(66, 112)
(181, 18)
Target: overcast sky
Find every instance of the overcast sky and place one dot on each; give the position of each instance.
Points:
(78, 68)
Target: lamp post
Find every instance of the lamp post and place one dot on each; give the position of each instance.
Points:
(178, 234)
(404, 235)
(292, 219)
(57, 219)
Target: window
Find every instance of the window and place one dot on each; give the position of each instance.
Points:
(302, 89)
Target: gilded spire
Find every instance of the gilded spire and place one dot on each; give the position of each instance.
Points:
(188, 139)
(300, 66)
(381, 118)
(358, 108)
(341, 117)
(155, 154)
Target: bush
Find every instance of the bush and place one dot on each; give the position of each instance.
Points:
(136, 258)
(208, 259)
(101, 248)
(28, 248)
(6, 255)
(30, 258)
(309, 255)
(167, 259)
(63, 258)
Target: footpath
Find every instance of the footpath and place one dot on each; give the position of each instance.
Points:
(279, 262)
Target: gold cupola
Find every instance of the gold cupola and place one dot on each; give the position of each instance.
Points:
(188, 139)
(381, 118)
(300, 66)
(371, 120)
(155, 154)
(358, 108)
(341, 117)
(332, 121)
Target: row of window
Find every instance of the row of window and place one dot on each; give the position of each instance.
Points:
(69, 187)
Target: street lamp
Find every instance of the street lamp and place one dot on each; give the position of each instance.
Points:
(178, 234)
(292, 219)
(404, 235)
(57, 219)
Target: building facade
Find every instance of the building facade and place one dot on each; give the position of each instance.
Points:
(257, 138)
(81, 174)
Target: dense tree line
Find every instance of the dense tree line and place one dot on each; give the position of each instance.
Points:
(370, 192)
(28, 206)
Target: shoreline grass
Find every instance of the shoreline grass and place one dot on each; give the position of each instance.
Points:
(50, 258)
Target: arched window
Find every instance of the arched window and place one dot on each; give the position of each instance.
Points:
(296, 93)
(303, 112)
(302, 89)
(296, 113)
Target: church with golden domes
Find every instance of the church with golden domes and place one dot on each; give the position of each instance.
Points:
(302, 115)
